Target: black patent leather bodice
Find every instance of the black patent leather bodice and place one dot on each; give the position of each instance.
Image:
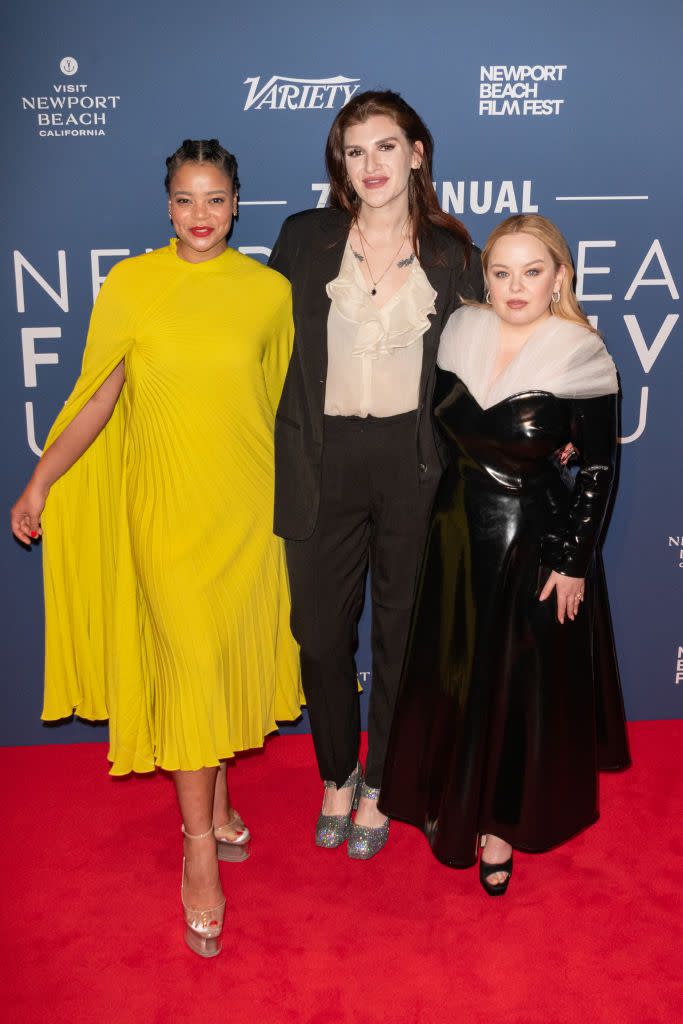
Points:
(512, 443)
(511, 448)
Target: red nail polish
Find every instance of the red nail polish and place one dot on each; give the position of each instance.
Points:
(34, 533)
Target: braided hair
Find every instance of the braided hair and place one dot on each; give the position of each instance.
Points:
(202, 151)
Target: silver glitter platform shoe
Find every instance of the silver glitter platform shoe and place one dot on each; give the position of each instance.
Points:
(331, 830)
(364, 840)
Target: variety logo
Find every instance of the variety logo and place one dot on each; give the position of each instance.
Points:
(70, 109)
(522, 90)
(281, 93)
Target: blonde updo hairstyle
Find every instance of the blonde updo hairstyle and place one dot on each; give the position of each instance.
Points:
(546, 232)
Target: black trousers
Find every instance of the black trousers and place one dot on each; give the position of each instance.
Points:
(371, 514)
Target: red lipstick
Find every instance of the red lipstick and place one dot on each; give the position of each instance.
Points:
(201, 232)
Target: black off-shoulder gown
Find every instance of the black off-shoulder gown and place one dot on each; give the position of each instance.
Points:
(504, 716)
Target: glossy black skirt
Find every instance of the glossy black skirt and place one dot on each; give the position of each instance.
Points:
(505, 716)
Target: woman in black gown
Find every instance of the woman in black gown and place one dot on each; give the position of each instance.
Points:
(510, 700)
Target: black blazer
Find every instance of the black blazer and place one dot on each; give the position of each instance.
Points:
(308, 252)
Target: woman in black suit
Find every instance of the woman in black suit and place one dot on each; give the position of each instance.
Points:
(374, 279)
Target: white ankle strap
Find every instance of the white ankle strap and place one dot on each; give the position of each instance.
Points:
(202, 835)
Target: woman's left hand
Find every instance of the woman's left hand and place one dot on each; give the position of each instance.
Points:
(567, 453)
(569, 590)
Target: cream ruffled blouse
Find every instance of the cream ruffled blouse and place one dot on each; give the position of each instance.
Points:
(374, 353)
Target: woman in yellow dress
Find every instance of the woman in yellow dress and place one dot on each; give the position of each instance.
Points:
(167, 603)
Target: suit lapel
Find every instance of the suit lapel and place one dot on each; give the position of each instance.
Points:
(439, 276)
(327, 253)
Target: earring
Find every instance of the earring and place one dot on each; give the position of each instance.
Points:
(556, 296)
(487, 296)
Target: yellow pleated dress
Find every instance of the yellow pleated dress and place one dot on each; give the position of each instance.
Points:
(166, 593)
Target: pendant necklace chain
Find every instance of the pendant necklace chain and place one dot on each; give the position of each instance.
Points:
(364, 257)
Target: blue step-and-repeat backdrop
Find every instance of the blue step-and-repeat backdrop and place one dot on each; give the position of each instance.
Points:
(571, 110)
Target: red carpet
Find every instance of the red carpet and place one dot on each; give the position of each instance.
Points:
(92, 926)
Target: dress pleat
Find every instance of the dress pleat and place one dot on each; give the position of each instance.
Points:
(167, 601)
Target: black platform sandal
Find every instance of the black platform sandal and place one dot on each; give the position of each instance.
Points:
(486, 870)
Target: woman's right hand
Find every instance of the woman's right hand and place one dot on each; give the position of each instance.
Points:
(25, 514)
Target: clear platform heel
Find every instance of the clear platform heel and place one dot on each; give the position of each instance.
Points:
(236, 849)
(203, 928)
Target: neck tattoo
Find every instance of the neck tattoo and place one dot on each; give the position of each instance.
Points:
(362, 258)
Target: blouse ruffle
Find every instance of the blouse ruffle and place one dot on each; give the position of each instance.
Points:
(399, 323)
